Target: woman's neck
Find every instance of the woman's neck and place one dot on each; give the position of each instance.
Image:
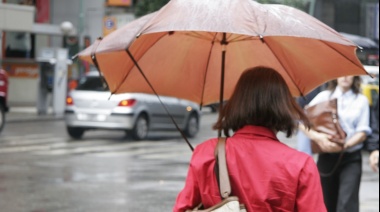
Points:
(344, 90)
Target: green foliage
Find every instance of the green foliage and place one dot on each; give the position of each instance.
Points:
(144, 7)
(299, 4)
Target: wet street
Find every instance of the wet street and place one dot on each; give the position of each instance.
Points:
(43, 170)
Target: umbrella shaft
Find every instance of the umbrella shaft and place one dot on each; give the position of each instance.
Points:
(224, 43)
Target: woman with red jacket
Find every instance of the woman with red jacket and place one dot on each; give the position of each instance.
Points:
(265, 174)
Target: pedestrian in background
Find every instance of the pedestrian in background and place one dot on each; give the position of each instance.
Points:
(265, 174)
(373, 142)
(303, 142)
(341, 189)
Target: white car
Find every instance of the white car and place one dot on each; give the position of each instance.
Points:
(91, 106)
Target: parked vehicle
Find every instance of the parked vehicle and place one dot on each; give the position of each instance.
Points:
(214, 107)
(3, 97)
(91, 106)
(370, 85)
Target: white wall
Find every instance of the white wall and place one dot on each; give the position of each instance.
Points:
(22, 91)
(16, 17)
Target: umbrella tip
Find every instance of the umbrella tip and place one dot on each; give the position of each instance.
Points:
(261, 38)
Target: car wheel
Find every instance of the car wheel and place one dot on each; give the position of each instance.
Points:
(75, 132)
(2, 117)
(141, 128)
(214, 108)
(192, 126)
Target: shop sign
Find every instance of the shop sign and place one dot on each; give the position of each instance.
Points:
(119, 3)
(109, 25)
(21, 70)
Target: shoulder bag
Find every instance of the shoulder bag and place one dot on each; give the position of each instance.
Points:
(228, 203)
(324, 118)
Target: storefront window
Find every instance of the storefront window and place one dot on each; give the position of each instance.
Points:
(18, 45)
(21, 44)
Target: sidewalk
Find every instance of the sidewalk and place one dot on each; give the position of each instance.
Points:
(26, 113)
(369, 189)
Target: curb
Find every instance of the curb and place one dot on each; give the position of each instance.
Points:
(19, 114)
(32, 119)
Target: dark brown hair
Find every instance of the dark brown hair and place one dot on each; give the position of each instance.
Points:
(355, 87)
(262, 98)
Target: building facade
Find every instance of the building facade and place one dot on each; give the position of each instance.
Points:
(34, 24)
(359, 17)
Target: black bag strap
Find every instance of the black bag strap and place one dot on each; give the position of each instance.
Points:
(329, 174)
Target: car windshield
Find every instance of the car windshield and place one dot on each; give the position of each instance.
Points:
(92, 84)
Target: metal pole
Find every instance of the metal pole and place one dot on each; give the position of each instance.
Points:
(80, 70)
(312, 7)
(81, 19)
(221, 97)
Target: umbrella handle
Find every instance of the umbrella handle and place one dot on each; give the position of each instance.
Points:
(224, 43)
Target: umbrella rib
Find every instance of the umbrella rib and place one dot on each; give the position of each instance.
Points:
(245, 38)
(300, 92)
(197, 35)
(155, 92)
(236, 39)
(95, 61)
(126, 76)
(207, 66)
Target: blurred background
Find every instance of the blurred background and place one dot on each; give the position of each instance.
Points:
(28, 27)
(51, 159)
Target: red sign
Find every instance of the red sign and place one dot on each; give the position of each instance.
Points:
(21, 70)
(43, 11)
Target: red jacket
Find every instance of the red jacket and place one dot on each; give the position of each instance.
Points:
(265, 174)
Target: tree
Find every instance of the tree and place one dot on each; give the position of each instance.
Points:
(299, 4)
(144, 7)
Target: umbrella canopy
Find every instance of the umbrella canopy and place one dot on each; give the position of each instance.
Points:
(118, 40)
(191, 49)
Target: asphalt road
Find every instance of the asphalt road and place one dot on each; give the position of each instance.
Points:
(43, 170)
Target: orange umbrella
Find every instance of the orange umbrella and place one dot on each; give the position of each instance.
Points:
(197, 49)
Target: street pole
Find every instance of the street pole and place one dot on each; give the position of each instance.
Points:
(80, 66)
(1, 47)
(81, 21)
(312, 7)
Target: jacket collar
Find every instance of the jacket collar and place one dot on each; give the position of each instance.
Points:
(338, 92)
(251, 130)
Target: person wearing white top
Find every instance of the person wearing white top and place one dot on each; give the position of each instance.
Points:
(373, 142)
(341, 189)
